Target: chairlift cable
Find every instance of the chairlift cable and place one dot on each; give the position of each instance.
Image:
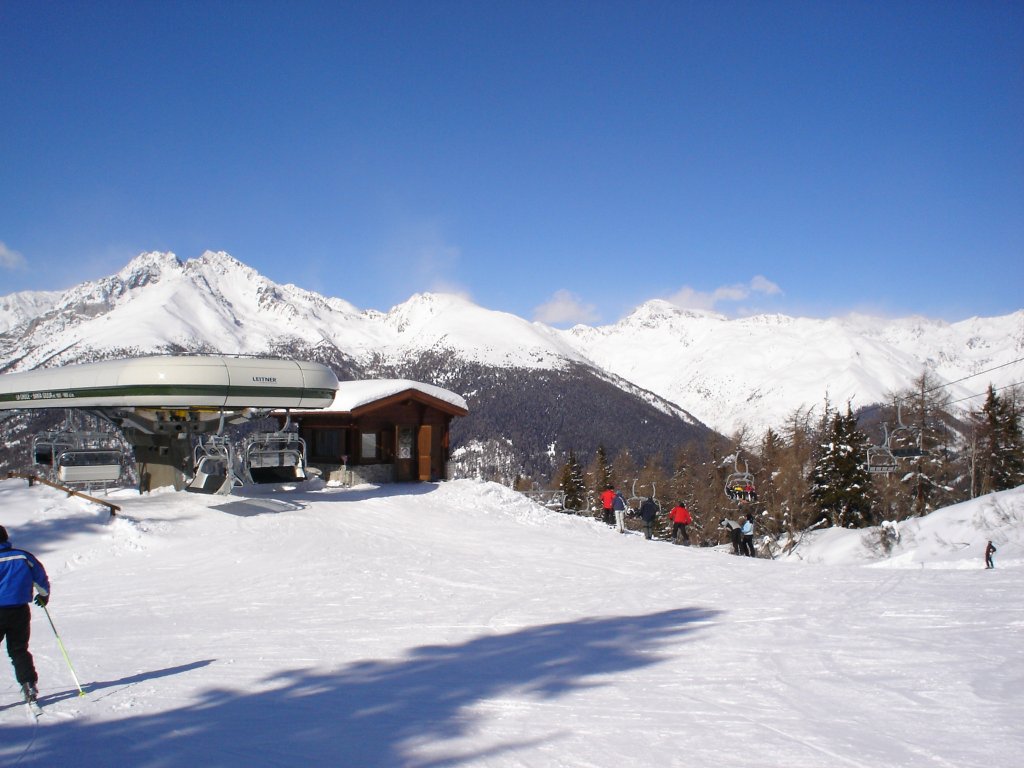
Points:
(887, 463)
(971, 376)
(982, 394)
(947, 384)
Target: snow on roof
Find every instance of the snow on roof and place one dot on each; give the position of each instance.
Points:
(355, 394)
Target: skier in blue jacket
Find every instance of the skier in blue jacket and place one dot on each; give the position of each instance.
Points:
(19, 573)
(747, 545)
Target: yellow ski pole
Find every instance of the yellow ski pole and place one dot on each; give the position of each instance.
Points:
(81, 691)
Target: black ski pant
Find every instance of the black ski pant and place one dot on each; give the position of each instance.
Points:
(14, 625)
(748, 546)
(737, 541)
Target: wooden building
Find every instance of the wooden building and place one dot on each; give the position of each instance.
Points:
(381, 431)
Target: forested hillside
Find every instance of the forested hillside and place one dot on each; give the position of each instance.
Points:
(831, 466)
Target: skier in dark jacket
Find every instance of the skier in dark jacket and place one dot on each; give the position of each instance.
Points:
(619, 507)
(20, 572)
(989, 551)
(648, 513)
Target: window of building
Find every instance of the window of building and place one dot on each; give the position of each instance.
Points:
(327, 443)
(405, 443)
(368, 446)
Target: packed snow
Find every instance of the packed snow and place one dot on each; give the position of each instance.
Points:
(459, 624)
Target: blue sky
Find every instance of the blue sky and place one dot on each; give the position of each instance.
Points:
(564, 161)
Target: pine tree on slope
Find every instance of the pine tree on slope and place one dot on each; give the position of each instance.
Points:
(572, 485)
(840, 484)
(999, 444)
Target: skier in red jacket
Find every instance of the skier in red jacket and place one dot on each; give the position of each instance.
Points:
(607, 499)
(681, 518)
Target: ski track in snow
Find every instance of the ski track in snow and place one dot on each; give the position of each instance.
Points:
(461, 625)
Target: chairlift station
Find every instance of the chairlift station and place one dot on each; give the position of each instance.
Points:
(160, 403)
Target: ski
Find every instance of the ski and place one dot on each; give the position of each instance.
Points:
(28, 692)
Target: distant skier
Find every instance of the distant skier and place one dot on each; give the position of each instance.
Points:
(989, 551)
(607, 500)
(681, 518)
(648, 513)
(19, 573)
(619, 505)
(735, 534)
(747, 546)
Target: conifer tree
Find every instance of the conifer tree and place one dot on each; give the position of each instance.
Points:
(627, 471)
(793, 469)
(930, 477)
(840, 485)
(599, 475)
(772, 451)
(681, 487)
(678, 484)
(604, 470)
(999, 445)
(572, 485)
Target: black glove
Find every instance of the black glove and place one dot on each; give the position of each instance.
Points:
(41, 600)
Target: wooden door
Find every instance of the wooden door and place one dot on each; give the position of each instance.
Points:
(406, 469)
(423, 441)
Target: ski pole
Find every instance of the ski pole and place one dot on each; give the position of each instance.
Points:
(81, 691)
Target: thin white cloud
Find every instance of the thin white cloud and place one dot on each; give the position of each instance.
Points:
(690, 298)
(565, 308)
(422, 259)
(443, 285)
(437, 264)
(761, 284)
(10, 259)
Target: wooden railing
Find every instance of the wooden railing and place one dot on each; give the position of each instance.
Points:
(550, 499)
(33, 479)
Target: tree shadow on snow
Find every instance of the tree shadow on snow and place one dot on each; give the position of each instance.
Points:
(394, 712)
(93, 689)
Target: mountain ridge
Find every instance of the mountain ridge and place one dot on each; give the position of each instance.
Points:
(731, 374)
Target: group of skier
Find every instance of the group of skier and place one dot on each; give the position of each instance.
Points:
(742, 492)
(741, 535)
(614, 508)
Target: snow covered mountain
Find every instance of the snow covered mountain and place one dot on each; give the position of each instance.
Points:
(755, 371)
(16, 308)
(695, 366)
(216, 302)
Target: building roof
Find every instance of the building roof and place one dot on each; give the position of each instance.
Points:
(353, 396)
